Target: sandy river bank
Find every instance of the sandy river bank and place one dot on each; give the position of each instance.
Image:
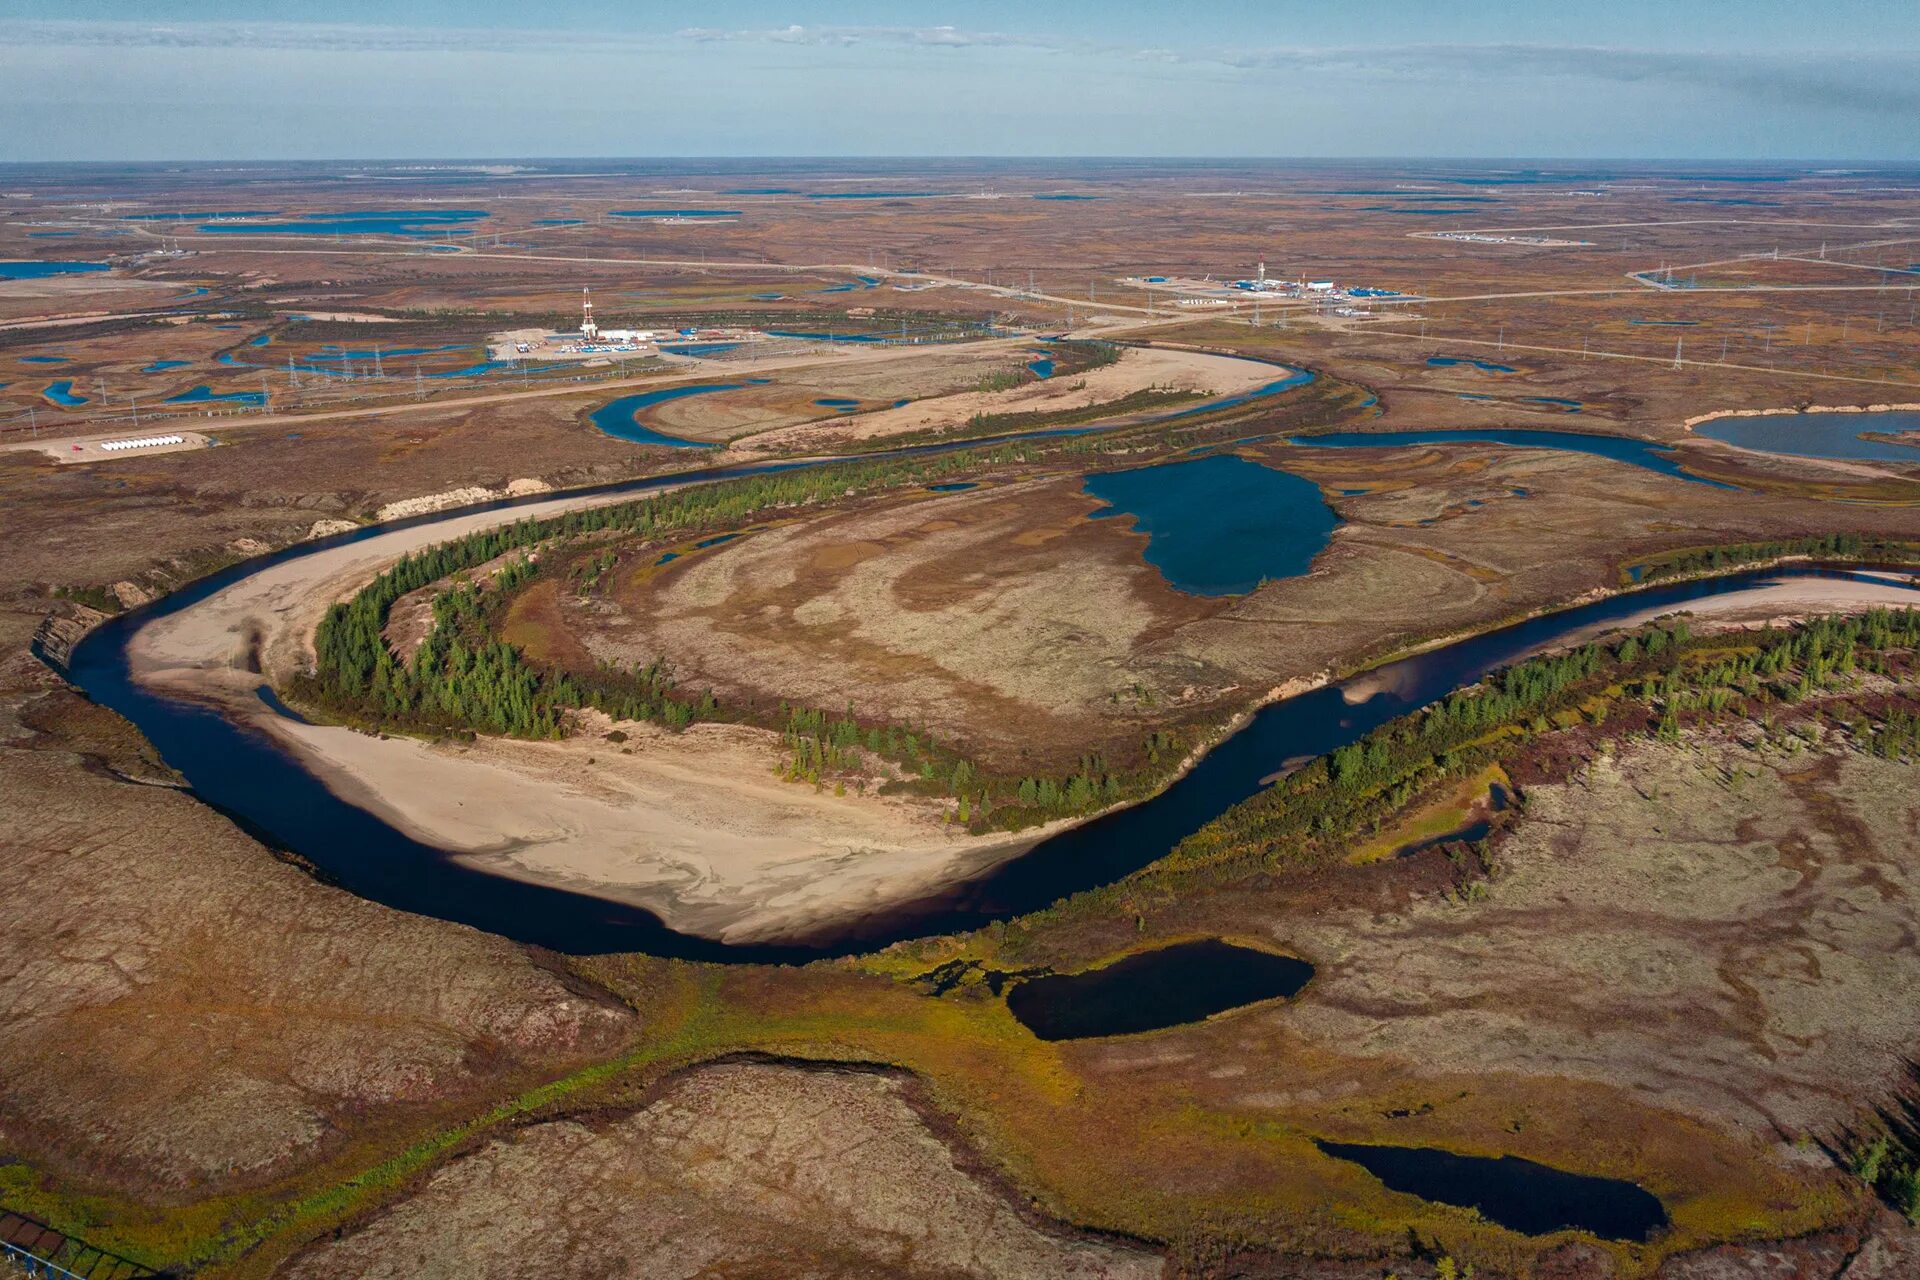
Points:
(694, 827)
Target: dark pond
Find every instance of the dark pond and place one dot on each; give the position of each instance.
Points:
(1220, 525)
(1636, 453)
(1822, 435)
(1154, 989)
(1533, 1199)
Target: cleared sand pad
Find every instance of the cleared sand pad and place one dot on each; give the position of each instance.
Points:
(736, 1169)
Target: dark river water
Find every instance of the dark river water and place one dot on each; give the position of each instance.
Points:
(246, 776)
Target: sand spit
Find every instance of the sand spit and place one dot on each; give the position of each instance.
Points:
(1699, 418)
(1138, 369)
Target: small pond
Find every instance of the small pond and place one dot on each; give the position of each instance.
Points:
(61, 393)
(1219, 525)
(1822, 435)
(1485, 366)
(207, 395)
(1164, 988)
(1533, 1199)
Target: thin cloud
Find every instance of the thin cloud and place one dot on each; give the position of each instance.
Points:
(919, 37)
(1884, 82)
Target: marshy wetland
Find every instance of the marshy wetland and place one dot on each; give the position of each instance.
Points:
(1179, 794)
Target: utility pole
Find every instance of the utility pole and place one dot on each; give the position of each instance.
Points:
(1678, 345)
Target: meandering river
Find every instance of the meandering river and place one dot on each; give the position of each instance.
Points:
(242, 771)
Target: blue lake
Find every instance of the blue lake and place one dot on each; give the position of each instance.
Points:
(61, 393)
(44, 359)
(1636, 453)
(161, 366)
(872, 195)
(1063, 197)
(1821, 435)
(41, 270)
(1485, 366)
(207, 395)
(559, 222)
(676, 213)
(261, 341)
(1219, 525)
(838, 402)
(401, 222)
(1041, 368)
(621, 418)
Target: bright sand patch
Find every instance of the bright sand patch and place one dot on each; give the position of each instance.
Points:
(1138, 369)
(694, 827)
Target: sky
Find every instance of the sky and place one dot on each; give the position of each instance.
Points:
(375, 79)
